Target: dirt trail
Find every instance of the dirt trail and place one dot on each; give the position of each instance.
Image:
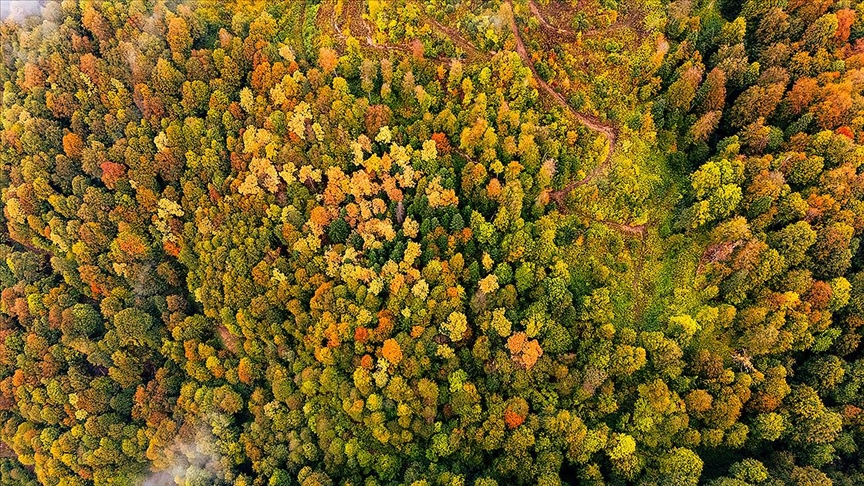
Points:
(328, 8)
(590, 121)
(455, 36)
(353, 17)
(568, 35)
(635, 230)
(638, 230)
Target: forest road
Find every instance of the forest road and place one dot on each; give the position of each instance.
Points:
(609, 131)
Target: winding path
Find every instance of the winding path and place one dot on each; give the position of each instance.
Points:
(353, 11)
(353, 14)
(454, 35)
(608, 131)
(546, 25)
(590, 121)
(574, 36)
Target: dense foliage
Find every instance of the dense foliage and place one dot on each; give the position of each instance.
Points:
(446, 242)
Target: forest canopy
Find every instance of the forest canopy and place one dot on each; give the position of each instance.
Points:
(445, 242)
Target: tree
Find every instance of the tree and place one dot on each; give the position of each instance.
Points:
(133, 327)
(819, 33)
(794, 241)
(327, 60)
(831, 251)
(179, 38)
(680, 466)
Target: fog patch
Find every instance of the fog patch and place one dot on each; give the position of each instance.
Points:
(20, 10)
(192, 459)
